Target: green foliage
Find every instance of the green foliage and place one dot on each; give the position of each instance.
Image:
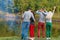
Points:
(36, 4)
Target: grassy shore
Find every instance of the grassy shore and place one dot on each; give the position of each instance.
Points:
(17, 38)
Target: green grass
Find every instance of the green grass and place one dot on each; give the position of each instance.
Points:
(18, 38)
(9, 38)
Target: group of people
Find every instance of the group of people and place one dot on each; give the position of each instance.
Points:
(28, 23)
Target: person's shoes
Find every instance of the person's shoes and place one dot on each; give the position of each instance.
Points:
(43, 38)
(48, 39)
(31, 38)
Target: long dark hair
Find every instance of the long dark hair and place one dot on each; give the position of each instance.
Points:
(33, 13)
(31, 19)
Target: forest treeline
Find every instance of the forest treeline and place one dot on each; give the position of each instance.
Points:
(22, 5)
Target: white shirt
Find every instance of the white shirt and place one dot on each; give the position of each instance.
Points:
(50, 14)
(27, 15)
(42, 17)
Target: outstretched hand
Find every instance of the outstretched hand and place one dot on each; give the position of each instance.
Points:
(54, 7)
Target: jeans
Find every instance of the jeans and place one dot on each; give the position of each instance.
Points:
(41, 26)
(25, 29)
(48, 29)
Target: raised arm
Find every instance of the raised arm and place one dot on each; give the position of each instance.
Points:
(38, 12)
(44, 13)
(54, 9)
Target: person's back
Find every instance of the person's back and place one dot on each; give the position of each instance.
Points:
(27, 15)
(41, 16)
(41, 23)
(49, 16)
(26, 23)
(49, 23)
(31, 28)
